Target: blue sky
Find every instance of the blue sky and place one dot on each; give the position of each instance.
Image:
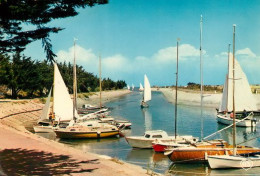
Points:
(139, 37)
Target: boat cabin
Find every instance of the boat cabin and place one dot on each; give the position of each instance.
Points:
(155, 134)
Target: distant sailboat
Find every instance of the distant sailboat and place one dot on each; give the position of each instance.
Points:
(128, 87)
(147, 93)
(233, 160)
(245, 102)
(141, 87)
(133, 87)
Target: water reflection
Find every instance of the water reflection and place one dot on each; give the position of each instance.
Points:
(160, 115)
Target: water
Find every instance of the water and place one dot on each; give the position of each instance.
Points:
(160, 115)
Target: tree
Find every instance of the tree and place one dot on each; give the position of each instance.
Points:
(16, 14)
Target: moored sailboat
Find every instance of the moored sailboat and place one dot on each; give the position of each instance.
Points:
(66, 109)
(141, 88)
(234, 160)
(245, 103)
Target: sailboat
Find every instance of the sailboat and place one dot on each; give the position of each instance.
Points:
(128, 87)
(147, 93)
(245, 104)
(141, 87)
(67, 109)
(44, 124)
(248, 160)
(133, 87)
(178, 141)
(199, 151)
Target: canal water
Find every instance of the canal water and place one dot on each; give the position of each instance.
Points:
(160, 116)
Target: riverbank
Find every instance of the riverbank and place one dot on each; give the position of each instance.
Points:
(192, 98)
(24, 153)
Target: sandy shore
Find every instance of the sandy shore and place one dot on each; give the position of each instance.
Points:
(24, 153)
(192, 98)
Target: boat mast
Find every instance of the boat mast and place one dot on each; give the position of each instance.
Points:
(74, 84)
(201, 81)
(53, 85)
(234, 110)
(100, 83)
(176, 88)
(228, 77)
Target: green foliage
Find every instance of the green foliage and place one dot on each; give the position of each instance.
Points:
(17, 15)
(23, 76)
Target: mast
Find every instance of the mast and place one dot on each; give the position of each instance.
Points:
(53, 85)
(176, 88)
(201, 81)
(228, 77)
(74, 84)
(234, 110)
(100, 83)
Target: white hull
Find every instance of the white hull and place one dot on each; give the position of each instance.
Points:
(140, 143)
(226, 161)
(43, 129)
(228, 121)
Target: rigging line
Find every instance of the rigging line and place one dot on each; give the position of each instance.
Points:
(248, 140)
(251, 113)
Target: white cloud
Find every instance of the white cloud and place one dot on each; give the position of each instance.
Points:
(186, 51)
(246, 52)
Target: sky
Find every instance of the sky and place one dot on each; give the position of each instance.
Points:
(139, 37)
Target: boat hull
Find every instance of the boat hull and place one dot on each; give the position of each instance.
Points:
(226, 161)
(228, 121)
(200, 154)
(43, 129)
(78, 135)
(140, 143)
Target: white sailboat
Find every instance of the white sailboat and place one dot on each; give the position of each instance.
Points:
(44, 124)
(66, 110)
(141, 87)
(133, 87)
(147, 93)
(234, 161)
(128, 87)
(245, 102)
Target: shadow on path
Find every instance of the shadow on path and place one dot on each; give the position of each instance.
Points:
(31, 162)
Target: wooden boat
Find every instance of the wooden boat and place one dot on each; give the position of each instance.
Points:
(199, 152)
(87, 131)
(147, 93)
(245, 102)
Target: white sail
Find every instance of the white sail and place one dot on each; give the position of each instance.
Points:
(147, 90)
(141, 87)
(133, 86)
(46, 108)
(62, 105)
(128, 87)
(243, 94)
